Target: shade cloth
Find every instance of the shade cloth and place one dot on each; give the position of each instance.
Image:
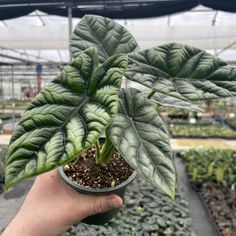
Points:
(118, 9)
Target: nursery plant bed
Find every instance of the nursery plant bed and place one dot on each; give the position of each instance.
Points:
(145, 212)
(209, 165)
(201, 131)
(214, 225)
(198, 188)
(220, 204)
(231, 122)
(211, 173)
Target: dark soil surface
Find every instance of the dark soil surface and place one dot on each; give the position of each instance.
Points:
(84, 170)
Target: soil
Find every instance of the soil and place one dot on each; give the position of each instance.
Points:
(221, 202)
(85, 172)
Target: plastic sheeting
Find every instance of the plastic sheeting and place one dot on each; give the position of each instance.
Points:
(44, 38)
(110, 8)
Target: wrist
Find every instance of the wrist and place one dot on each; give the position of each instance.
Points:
(25, 224)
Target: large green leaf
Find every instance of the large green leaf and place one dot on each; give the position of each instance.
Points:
(66, 117)
(141, 137)
(181, 74)
(168, 101)
(103, 33)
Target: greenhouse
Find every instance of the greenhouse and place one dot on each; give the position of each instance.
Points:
(118, 117)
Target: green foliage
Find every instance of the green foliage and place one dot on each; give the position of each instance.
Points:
(231, 122)
(211, 165)
(141, 137)
(201, 131)
(181, 74)
(2, 161)
(221, 202)
(5, 116)
(69, 115)
(105, 34)
(8, 116)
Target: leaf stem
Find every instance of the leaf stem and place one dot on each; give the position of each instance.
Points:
(105, 152)
(97, 150)
(158, 106)
(151, 94)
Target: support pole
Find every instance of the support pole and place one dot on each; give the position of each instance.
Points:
(70, 27)
(2, 90)
(13, 95)
(39, 70)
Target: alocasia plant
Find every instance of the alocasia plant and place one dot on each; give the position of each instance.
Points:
(85, 100)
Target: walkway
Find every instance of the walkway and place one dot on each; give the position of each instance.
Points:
(184, 143)
(4, 139)
(200, 223)
(176, 144)
(11, 201)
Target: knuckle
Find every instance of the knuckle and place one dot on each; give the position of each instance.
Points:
(101, 206)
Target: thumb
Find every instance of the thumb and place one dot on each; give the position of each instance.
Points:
(102, 204)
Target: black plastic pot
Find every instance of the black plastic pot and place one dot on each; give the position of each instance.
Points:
(102, 218)
(1, 183)
(196, 185)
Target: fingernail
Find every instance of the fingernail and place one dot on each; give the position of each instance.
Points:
(111, 197)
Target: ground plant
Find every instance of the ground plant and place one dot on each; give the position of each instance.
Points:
(86, 99)
(201, 131)
(231, 122)
(152, 214)
(209, 165)
(2, 161)
(221, 202)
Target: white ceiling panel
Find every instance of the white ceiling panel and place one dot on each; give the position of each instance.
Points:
(45, 37)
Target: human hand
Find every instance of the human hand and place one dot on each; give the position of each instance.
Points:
(51, 207)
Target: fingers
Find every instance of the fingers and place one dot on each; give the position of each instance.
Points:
(104, 203)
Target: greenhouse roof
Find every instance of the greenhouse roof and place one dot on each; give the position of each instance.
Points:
(42, 37)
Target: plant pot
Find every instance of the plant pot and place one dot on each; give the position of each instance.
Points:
(101, 218)
(1, 183)
(196, 185)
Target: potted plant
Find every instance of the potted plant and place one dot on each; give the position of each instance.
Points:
(86, 100)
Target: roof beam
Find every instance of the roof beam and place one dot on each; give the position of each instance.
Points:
(15, 58)
(214, 18)
(226, 48)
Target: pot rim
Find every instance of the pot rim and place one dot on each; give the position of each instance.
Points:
(95, 190)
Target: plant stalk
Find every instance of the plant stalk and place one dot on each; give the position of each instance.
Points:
(105, 152)
(158, 106)
(97, 150)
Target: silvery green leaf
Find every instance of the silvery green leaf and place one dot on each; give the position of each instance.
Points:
(141, 137)
(168, 101)
(66, 117)
(103, 33)
(182, 73)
